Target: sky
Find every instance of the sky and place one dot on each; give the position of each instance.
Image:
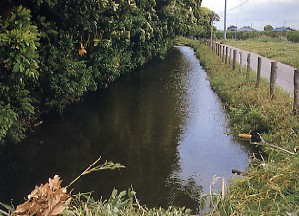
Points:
(256, 13)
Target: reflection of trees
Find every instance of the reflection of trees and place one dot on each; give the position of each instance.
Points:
(135, 122)
(183, 192)
(146, 121)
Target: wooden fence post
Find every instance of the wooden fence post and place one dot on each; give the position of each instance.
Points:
(223, 53)
(220, 51)
(296, 91)
(241, 62)
(230, 56)
(248, 65)
(234, 59)
(258, 72)
(226, 55)
(273, 78)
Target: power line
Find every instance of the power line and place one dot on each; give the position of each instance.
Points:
(224, 36)
(238, 6)
(225, 11)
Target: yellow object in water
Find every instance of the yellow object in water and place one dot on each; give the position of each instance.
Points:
(245, 136)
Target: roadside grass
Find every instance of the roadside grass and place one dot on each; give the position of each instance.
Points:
(282, 51)
(272, 184)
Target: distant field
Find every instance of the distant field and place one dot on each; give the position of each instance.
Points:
(282, 51)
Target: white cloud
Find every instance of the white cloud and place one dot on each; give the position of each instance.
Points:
(257, 13)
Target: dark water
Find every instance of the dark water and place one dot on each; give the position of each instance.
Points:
(163, 123)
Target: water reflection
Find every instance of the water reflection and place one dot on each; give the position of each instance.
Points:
(163, 123)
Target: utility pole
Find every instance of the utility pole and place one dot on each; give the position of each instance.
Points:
(236, 30)
(211, 36)
(211, 24)
(225, 4)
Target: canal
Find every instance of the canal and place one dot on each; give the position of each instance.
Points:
(163, 122)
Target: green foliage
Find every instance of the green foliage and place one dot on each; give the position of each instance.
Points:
(123, 203)
(293, 36)
(19, 65)
(69, 86)
(19, 43)
(7, 118)
(52, 52)
(271, 188)
(241, 35)
(247, 119)
(268, 28)
(267, 34)
(207, 17)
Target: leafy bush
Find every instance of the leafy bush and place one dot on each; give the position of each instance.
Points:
(293, 36)
(7, 118)
(19, 65)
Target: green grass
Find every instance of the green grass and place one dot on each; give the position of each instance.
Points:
(117, 205)
(272, 185)
(282, 51)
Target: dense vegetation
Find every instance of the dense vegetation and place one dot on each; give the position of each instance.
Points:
(282, 51)
(271, 185)
(291, 36)
(52, 52)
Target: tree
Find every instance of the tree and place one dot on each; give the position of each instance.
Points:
(207, 17)
(268, 28)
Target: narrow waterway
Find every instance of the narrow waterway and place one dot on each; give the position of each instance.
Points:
(163, 122)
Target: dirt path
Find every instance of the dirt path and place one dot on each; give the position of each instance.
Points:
(285, 77)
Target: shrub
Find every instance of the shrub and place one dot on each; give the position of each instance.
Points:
(293, 36)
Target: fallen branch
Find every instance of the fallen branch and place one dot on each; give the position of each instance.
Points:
(269, 145)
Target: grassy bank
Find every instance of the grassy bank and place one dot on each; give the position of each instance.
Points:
(282, 51)
(271, 186)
